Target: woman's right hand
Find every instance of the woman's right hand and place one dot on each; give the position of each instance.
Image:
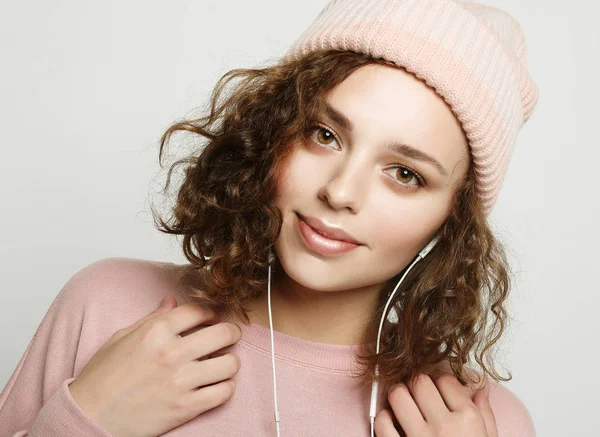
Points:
(148, 378)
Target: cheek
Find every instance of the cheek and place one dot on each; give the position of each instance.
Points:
(391, 232)
(298, 177)
(402, 227)
(284, 182)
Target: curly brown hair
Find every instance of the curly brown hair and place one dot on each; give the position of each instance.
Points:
(224, 210)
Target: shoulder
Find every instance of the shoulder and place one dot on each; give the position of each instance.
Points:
(512, 417)
(109, 294)
(115, 292)
(131, 280)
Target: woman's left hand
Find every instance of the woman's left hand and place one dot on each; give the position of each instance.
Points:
(439, 407)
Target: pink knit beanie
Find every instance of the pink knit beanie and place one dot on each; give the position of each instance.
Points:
(473, 55)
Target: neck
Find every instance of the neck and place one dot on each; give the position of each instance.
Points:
(335, 317)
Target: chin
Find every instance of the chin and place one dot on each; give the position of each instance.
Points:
(311, 271)
(311, 275)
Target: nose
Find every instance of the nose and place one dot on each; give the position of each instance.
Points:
(346, 186)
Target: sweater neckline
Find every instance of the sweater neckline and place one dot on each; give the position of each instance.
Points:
(302, 352)
(299, 351)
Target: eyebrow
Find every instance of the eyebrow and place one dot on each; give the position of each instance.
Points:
(403, 149)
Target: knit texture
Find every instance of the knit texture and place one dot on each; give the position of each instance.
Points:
(317, 395)
(474, 56)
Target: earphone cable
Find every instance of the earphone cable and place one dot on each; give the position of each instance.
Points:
(273, 351)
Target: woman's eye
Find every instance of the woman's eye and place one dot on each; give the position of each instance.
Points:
(404, 175)
(322, 135)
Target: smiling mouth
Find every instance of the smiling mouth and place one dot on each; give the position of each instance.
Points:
(331, 233)
(321, 244)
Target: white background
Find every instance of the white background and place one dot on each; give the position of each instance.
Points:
(87, 88)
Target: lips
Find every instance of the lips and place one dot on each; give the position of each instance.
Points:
(328, 231)
(321, 245)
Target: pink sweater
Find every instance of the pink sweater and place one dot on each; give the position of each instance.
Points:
(316, 394)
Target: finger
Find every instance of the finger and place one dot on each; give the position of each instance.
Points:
(406, 410)
(165, 306)
(188, 316)
(481, 400)
(428, 398)
(384, 424)
(454, 394)
(209, 340)
(201, 373)
(474, 380)
(211, 396)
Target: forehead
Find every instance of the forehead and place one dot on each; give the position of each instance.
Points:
(390, 104)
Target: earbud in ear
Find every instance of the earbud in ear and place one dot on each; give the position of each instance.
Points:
(430, 246)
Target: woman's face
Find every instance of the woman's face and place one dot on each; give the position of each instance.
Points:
(350, 176)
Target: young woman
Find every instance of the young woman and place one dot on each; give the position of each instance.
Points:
(341, 262)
